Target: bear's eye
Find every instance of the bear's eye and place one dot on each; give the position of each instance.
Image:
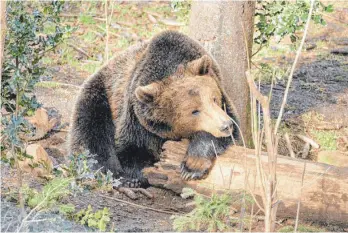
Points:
(195, 112)
(215, 100)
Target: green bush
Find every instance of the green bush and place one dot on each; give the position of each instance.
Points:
(277, 19)
(29, 37)
(211, 214)
(98, 219)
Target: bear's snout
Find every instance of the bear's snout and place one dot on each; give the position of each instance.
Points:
(226, 126)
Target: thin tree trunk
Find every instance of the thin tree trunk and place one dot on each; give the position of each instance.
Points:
(219, 27)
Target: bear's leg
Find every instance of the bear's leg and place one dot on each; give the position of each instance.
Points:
(133, 159)
(93, 128)
(201, 154)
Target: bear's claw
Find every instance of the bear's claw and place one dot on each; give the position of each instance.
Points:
(131, 183)
(195, 168)
(127, 183)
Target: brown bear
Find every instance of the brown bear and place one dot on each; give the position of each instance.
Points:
(168, 88)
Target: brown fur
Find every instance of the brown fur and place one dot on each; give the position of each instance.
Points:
(167, 88)
(182, 93)
(198, 163)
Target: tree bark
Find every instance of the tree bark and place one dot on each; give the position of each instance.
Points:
(2, 32)
(324, 194)
(218, 26)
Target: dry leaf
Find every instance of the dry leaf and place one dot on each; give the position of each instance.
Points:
(40, 165)
(151, 18)
(42, 124)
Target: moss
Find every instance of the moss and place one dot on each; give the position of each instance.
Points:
(326, 139)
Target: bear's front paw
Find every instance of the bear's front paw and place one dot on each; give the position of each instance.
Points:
(195, 168)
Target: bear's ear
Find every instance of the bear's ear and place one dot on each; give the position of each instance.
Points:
(200, 66)
(147, 94)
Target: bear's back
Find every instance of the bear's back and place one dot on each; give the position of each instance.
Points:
(117, 75)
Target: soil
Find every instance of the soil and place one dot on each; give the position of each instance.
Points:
(126, 217)
(320, 84)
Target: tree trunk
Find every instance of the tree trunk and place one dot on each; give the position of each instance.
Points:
(2, 31)
(218, 26)
(324, 194)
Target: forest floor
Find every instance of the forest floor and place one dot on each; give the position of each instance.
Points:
(317, 107)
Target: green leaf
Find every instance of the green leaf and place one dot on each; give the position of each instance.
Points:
(329, 8)
(66, 209)
(293, 38)
(98, 214)
(86, 19)
(92, 222)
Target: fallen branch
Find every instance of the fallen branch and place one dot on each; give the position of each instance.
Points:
(308, 140)
(139, 206)
(321, 184)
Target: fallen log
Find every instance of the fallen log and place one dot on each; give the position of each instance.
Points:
(324, 193)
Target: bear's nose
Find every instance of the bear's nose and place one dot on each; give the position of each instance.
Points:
(226, 126)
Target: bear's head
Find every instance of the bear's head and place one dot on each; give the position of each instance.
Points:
(188, 101)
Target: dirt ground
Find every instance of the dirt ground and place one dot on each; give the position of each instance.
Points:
(320, 86)
(124, 216)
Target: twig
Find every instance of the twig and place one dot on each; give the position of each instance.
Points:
(269, 183)
(315, 180)
(41, 220)
(298, 53)
(139, 206)
(252, 207)
(256, 201)
(39, 205)
(14, 152)
(61, 130)
(78, 49)
(258, 50)
(299, 199)
(216, 155)
(288, 144)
